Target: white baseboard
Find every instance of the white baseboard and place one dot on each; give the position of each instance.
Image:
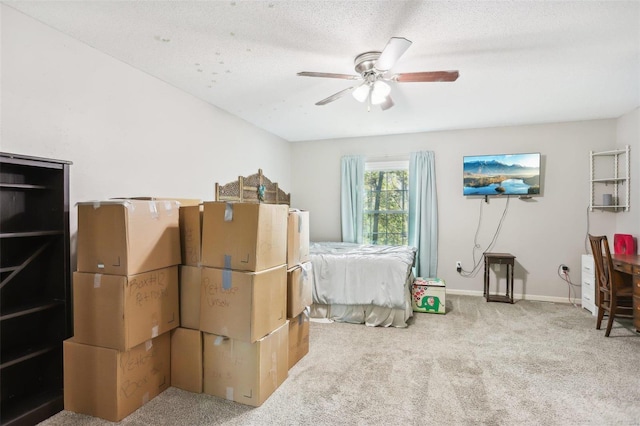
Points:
(516, 297)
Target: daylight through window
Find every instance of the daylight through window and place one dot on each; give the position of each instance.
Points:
(386, 203)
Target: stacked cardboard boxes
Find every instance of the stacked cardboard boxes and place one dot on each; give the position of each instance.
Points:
(218, 323)
(299, 284)
(234, 309)
(125, 300)
(243, 304)
(187, 340)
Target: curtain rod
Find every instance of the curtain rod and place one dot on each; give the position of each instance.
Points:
(397, 157)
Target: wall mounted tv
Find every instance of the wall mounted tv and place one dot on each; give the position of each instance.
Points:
(505, 174)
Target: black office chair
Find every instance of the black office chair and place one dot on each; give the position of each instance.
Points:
(614, 294)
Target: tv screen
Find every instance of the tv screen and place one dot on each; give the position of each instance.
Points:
(506, 174)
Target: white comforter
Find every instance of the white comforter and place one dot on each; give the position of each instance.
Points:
(354, 274)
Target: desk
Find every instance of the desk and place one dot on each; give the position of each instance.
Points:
(499, 259)
(629, 264)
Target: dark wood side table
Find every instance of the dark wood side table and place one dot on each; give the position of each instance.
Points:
(499, 259)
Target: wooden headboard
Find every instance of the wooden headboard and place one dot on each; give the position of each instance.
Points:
(255, 188)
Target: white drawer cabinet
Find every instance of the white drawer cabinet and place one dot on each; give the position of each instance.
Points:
(589, 284)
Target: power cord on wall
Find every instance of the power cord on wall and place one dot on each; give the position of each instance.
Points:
(476, 246)
(563, 273)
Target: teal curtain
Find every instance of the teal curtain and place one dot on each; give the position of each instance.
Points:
(352, 198)
(423, 213)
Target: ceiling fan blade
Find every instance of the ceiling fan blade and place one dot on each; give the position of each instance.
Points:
(329, 75)
(388, 103)
(335, 96)
(416, 77)
(392, 52)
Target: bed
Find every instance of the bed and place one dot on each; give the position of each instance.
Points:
(364, 284)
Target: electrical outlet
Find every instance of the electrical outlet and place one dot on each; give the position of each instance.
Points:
(459, 266)
(564, 268)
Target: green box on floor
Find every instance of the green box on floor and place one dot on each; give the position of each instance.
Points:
(428, 295)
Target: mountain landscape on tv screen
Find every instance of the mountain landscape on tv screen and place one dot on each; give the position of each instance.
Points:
(492, 177)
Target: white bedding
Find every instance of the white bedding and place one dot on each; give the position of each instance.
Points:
(373, 316)
(355, 274)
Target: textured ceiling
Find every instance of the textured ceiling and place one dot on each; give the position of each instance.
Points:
(520, 62)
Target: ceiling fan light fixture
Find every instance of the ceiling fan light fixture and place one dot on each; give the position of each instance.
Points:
(379, 92)
(372, 67)
(361, 92)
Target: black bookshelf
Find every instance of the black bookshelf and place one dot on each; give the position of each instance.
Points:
(35, 280)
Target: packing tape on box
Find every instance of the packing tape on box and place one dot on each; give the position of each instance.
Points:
(226, 272)
(153, 209)
(97, 279)
(306, 267)
(228, 212)
(97, 204)
(229, 394)
(154, 331)
(168, 206)
(226, 279)
(148, 345)
(218, 340)
(145, 398)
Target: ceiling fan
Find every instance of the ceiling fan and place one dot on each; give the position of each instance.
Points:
(372, 68)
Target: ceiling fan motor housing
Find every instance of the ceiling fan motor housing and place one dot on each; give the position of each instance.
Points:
(365, 63)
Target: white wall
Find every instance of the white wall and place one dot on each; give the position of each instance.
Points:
(542, 233)
(128, 134)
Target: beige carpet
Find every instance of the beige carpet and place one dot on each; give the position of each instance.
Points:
(531, 363)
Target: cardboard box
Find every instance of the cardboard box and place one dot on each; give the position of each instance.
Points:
(244, 236)
(186, 359)
(297, 237)
(112, 384)
(190, 289)
(244, 372)
(244, 306)
(121, 312)
(428, 295)
(298, 338)
(127, 237)
(191, 234)
(299, 289)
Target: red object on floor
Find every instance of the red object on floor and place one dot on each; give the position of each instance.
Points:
(624, 244)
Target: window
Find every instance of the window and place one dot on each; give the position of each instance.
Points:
(386, 203)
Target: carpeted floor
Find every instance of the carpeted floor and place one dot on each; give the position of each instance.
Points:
(530, 363)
